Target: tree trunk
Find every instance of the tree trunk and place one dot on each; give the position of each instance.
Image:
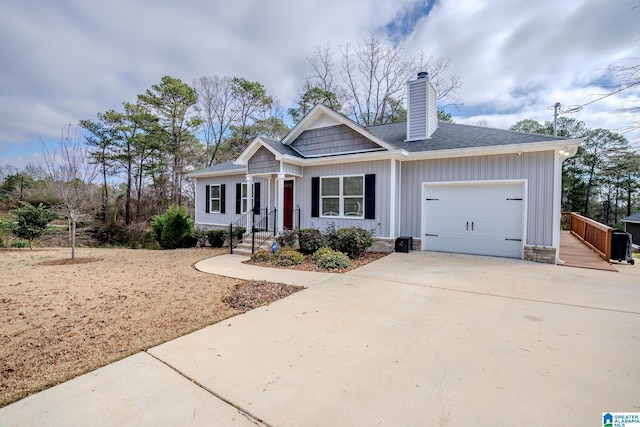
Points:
(127, 203)
(588, 195)
(73, 238)
(105, 199)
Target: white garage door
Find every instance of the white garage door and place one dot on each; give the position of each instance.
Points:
(474, 218)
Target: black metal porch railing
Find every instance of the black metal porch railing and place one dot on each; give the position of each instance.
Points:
(291, 219)
(237, 230)
(263, 229)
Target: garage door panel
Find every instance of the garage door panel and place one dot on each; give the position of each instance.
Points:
(444, 242)
(446, 208)
(496, 209)
(493, 247)
(485, 218)
(498, 228)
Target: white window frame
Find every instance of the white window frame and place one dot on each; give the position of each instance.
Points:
(211, 198)
(245, 206)
(341, 197)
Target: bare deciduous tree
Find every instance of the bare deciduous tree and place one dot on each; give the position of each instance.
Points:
(72, 175)
(216, 108)
(371, 81)
(627, 75)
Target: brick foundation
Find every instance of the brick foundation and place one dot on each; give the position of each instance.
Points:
(382, 245)
(544, 254)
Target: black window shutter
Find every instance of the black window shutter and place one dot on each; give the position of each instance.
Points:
(222, 199)
(370, 196)
(238, 198)
(207, 198)
(315, 196)
(256, 198)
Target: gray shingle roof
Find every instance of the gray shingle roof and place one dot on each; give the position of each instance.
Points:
(281, 148)
(450, 136)
(221, 167)
(446, 137)
(632, 218)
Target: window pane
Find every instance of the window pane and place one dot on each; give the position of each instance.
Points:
(215, 205)
(353, 206)
(215, 191)
(330, 186)
(353, 186)
(330, 206)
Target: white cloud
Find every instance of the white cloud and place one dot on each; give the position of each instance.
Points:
(70, 59)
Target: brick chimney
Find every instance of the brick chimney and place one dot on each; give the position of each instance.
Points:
(422, 108)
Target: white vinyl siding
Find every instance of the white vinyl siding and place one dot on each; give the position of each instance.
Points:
(536, 168)
(379, 225)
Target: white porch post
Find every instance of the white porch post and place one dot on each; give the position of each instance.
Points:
(557, 204)
(249, 203)
(280, 204)
(394, 201)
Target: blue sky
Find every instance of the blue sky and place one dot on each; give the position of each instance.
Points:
(67, 60)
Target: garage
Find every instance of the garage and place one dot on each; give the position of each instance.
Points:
(482, 218)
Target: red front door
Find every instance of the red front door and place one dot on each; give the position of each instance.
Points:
(288, 206)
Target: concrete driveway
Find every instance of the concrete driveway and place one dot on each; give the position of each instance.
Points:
(412, 339)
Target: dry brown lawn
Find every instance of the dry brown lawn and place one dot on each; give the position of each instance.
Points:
(60, 319)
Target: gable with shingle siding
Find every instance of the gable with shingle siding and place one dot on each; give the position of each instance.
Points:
(263, 161)
(332, 140)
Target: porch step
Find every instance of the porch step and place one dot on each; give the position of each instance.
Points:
(244, 247)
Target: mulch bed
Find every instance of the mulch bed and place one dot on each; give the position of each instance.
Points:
(309, 265)
(249, 295)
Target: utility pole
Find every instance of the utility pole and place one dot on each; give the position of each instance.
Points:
(556, 107)
(557, 110)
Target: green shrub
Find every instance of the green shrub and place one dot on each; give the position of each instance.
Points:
(216, 237)
(321, 252)
(288, 238)
(238, 234)
(189, 241)
(200, 236)
(354, 241)
(286, 257)
(310, 240)
(31, 221)
(331, 237)
(262, 256)
(173, 228)
(328, 259)
(19, 243)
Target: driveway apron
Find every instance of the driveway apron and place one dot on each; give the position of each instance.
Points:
(412, 339)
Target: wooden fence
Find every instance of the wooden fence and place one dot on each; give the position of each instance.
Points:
(593, 234)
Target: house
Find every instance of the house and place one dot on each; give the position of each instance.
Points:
(632, 226)
(451, 187)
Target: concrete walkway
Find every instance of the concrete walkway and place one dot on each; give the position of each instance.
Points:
(412, 339)
(232, 266)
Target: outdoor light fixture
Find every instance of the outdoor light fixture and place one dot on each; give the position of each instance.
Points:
(565, 152)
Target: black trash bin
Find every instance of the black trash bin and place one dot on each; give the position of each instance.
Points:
(404, 244)
(621, 246)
